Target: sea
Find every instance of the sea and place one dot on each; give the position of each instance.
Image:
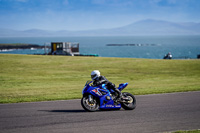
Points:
(149, 47)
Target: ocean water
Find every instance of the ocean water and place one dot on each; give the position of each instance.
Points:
(152, 47)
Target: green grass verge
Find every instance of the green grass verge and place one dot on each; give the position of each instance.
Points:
(26, 78)
(190, 131)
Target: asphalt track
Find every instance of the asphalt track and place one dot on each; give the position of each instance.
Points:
(154, 113)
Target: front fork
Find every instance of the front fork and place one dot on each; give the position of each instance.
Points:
(90, 99)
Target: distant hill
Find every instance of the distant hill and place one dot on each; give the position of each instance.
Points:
(144, 27)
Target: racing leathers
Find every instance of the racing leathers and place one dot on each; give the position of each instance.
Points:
(102, 80)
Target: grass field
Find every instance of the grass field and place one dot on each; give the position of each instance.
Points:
(25, 78)
(190, 131)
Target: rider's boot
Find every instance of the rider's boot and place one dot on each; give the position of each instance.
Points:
(119, 95)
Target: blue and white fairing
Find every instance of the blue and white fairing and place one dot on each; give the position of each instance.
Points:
(102, 94)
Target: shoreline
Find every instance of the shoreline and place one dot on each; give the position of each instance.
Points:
(20, 46)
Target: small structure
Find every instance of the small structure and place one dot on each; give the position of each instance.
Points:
(64, 48)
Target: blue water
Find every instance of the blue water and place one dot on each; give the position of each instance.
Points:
(180, 46)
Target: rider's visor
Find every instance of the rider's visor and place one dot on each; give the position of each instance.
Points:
(92, 76)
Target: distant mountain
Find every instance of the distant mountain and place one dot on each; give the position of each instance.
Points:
(144, 27)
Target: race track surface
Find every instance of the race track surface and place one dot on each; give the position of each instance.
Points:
(154, 113)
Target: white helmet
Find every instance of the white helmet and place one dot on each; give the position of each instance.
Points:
(95, 74)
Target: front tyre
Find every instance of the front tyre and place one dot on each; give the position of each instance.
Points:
(130, 104)
(91, 105)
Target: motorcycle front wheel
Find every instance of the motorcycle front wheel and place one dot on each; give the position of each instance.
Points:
(131, 103)
(91, 105)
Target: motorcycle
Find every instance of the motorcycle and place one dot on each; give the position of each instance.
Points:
(100, 98)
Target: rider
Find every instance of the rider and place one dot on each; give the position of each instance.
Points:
(98, 80)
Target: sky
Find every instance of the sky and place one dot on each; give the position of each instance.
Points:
(75, 15)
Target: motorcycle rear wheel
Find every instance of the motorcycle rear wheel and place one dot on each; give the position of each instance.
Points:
(88, 106)
(131, 104)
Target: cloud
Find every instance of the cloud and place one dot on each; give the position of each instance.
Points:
(92, 14)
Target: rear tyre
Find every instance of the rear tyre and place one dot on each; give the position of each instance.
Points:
(89, 106)
(131, 103)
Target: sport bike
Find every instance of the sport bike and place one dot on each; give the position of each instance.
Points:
(100, 98)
